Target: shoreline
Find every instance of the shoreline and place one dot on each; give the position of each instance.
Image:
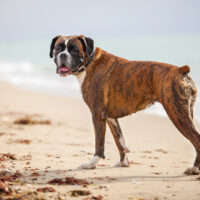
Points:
(159, 154)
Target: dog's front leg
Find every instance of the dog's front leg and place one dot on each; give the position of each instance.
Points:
(120, 142)
(100, 129)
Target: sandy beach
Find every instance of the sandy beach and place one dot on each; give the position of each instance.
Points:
(57, 136)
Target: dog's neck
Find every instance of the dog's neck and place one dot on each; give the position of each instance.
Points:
(81, 77)
(83, 67)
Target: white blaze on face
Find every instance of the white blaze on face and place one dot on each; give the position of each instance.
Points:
(67, 54)
(66, 41)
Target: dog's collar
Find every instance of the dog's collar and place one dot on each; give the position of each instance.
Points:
(82, 68)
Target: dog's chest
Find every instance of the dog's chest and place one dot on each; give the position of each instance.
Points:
(81, 77)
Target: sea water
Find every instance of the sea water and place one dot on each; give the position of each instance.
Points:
(27, 63)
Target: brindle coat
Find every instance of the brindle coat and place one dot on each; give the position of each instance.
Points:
(115, 87)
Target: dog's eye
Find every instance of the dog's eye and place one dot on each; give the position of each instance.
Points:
(58, 48)
(74, 51)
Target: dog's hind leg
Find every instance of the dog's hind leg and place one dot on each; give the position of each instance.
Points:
(179, 109)
(192, 101)
(120, 142)
(185, 125)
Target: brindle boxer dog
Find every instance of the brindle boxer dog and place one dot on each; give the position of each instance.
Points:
(114, 87)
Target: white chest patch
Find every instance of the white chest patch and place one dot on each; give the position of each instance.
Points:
(81, 77)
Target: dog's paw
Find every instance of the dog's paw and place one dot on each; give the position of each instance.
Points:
(88, 165)
(124, 163)
(91, 164)
(192, 171)
(126, 150)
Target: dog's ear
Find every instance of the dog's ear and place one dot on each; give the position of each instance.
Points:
(52, 45)
(88, 44)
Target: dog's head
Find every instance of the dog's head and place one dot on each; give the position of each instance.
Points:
(70, 53)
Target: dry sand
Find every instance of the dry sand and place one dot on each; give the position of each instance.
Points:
(159, 153)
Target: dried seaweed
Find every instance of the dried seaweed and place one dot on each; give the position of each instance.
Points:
(76, 193)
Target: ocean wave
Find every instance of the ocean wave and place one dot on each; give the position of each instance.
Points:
(13, 67)
(42, 78)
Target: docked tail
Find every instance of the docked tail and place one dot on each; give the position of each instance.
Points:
(184, 69)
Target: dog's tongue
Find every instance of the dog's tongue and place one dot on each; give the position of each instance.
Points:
(63, 69)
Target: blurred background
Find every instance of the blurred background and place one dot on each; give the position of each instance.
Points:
(156, 30)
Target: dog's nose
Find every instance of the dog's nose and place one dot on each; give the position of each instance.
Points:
(63, 56)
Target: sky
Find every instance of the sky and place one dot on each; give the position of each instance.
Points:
(41, 18)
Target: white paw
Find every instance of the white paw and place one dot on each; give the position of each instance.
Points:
(91, 164)
(124, 163)
(192, 171)
(87, 166)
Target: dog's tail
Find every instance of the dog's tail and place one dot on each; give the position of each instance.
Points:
(184, 69)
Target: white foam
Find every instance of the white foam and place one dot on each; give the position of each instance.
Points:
(42, 78)
(12, 67)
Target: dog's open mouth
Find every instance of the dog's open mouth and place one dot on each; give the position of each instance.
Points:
(64, 71)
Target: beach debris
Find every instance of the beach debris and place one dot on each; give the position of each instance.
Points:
(10, 191)
(69, 181)
(103, 187)
(1, 134)
(156, 173)
(146, 152)
(76, 193)
(26, 157)
(135, 163)
(98, 178)
(99, 197)
(9, 177)
(175, 166)
(111, 178)
(19, 141)
(3, 166)
(7, 156)
(149, 157)
(22, 195)
(57, 181)
(28, 120)
(35, 174)
(23, 141)
(161, 150)
(4, 189)
(74, 181)
(46, 189)
(103, 165)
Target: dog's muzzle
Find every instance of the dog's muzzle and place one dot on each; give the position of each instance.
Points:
(64, 70)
